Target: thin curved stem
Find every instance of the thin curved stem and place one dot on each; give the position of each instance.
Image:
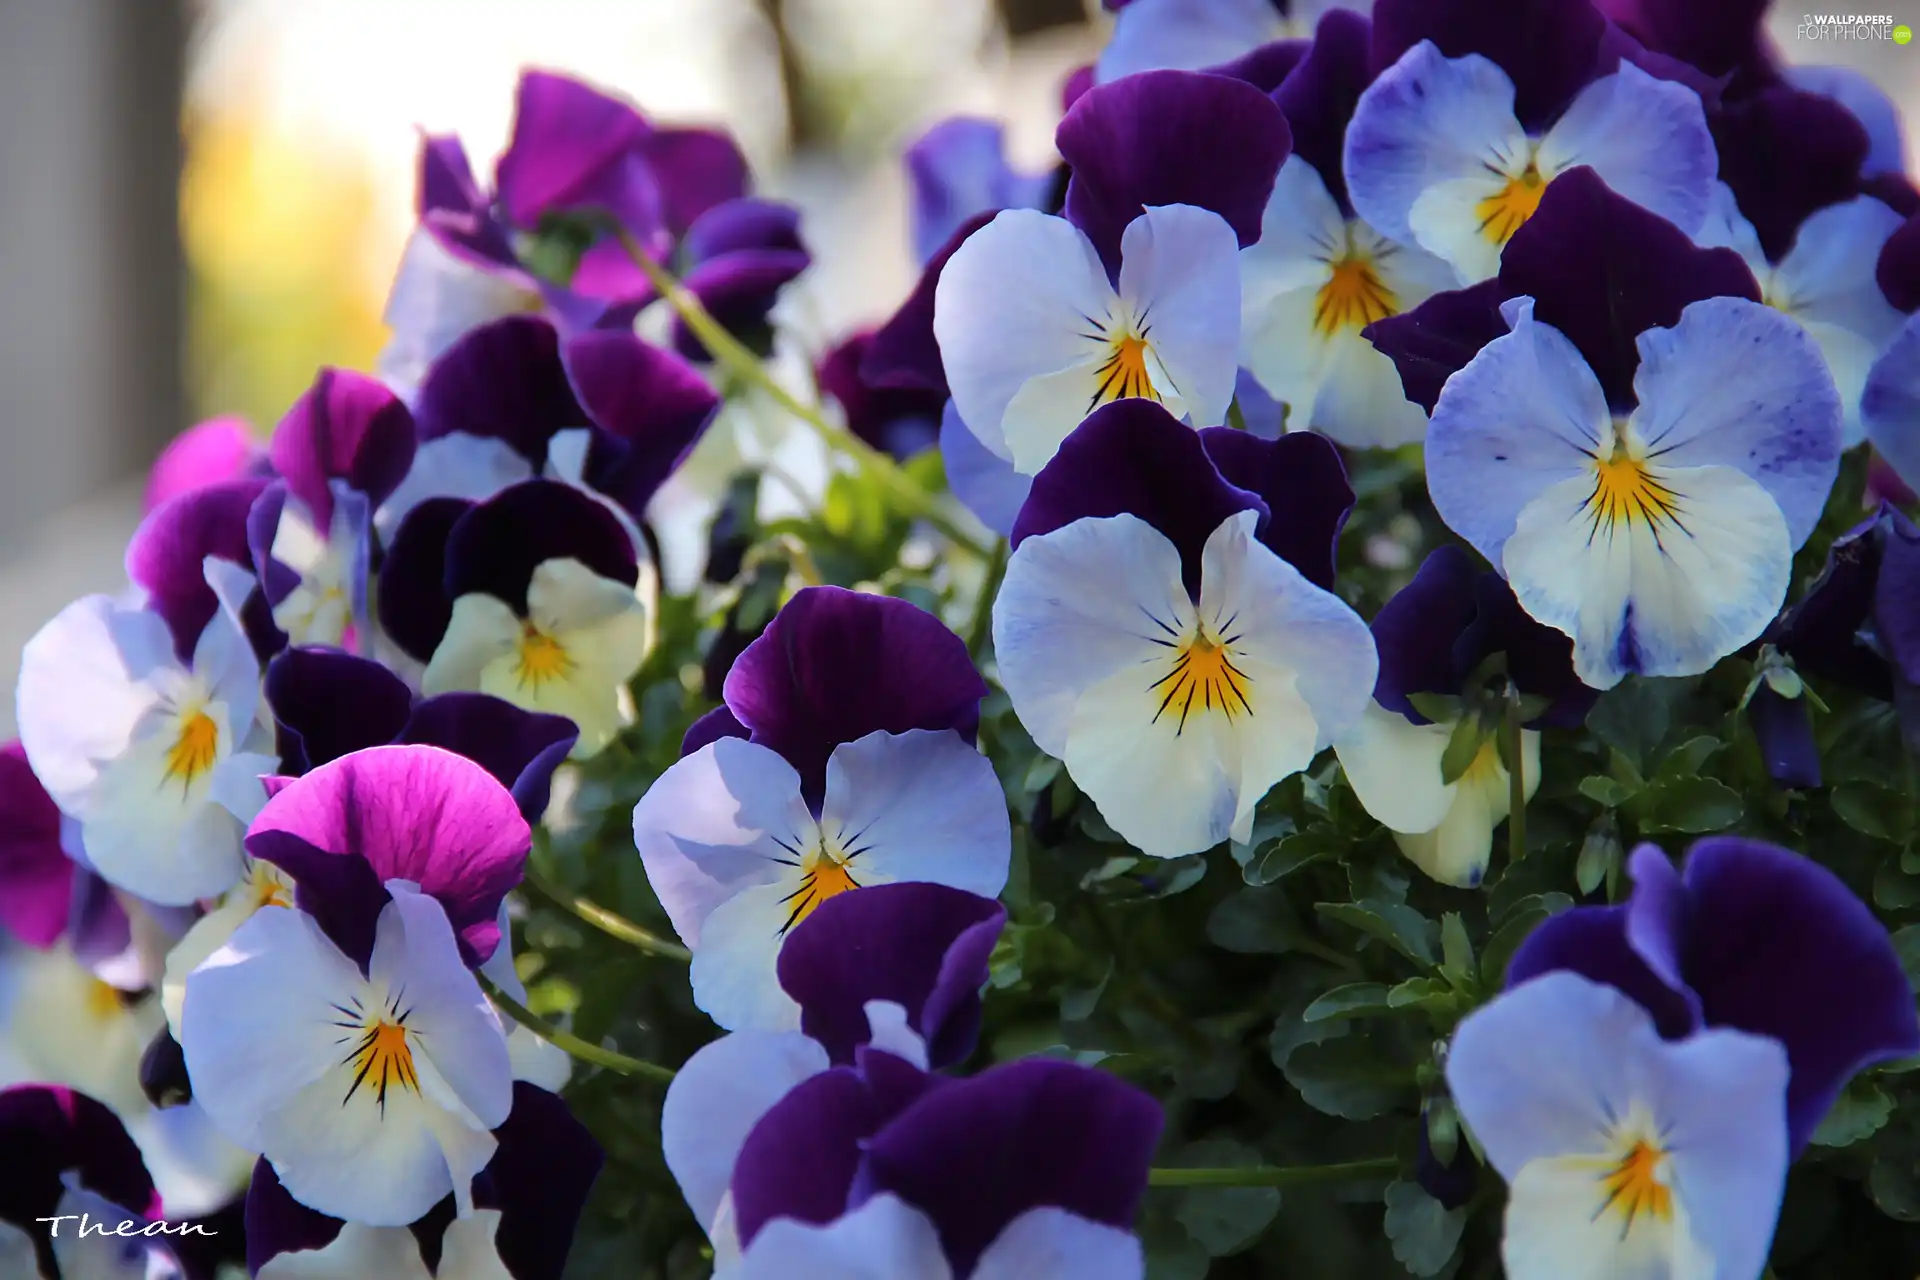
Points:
(611, 923)
(570, 1043)
(1267, 1175)
(730, 353)
(980, 630)
(1516, 779)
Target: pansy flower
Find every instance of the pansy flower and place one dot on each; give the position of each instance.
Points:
(1319, 274)
(205, 453)
(1435, 637)
(1890, 401)
(527, 1204)
(1594, 455)
(900, 421)
(152, 748)
(529, 596)
(1135, 293)
(900, 968)
(843, 758)
(1751, 937)
(736, 259)
(1191, 35)
(958, 169)
(40, 885)
(345, 1038)
(1483, 106)
(1167, 628)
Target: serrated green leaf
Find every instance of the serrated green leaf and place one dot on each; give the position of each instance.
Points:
(1419, 991)
(1694, 805)
(1860, 1111)
(1354, 1000)
(1349, 1077)
(1394, 923)
(1608, 792)
(1462, 749)
(1456, 951)
(1424, 1232)
(1632, 717)
(1521, 921)
(1685, 760)
(1224, 1220)
(1287, 855)
(1882, 812)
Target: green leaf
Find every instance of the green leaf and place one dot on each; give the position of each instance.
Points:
(1349, 1077)
(1354, 1000)
(1287, 855)
(1438, 707)
(1521, 921)
(1041, 773)
(1608, 792)
(1415, 992)
(1456, 951)
(1882, 812)
(1685, 760)
(1906, 944)
(1394, 923)
(1632, 717)
(1893, 1183)
(1462, 748)
(1894, 889)
(1860, 1111)
(1599, 855)
(1252, 922)
(1224, 1220)
(1424, 1232)
(1688, 804)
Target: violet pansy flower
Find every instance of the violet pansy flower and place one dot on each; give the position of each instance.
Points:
(843, 758)
(1193, 35)
(736, 259)
(1482, 106)
(205, 453)
(900, 421)
(958, 169)
(1167, 627)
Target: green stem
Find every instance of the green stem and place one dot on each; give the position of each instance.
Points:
(1267, 1175)
(572, 1044)
(981, 628)
(608, 922)
(737, 360)
(1516, 779)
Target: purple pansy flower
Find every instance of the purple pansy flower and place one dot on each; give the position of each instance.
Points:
(36, 875)
(735, 260)
(1223, 35)
(1433, 636)
(1752, 937)
(1167, 627)
(1482, 106)
(843, 758)
(1592, 453)
(1858, 623)
(900, 421)
(527, 1203)
(1890, 400)
(205, 453)
(959, 169)
(1135, 292)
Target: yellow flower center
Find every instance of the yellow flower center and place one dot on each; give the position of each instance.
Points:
(195, 743)
(1625, 488)
(541, 658)
(1353, 297)
(103, 999)
(1637, 1187)
(1124, 375)
(1507, 211)
(824, 875)
(268, 886)
(1203, 680)
(381, 1057)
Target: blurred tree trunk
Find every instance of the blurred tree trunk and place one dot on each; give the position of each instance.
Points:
(1025, 17)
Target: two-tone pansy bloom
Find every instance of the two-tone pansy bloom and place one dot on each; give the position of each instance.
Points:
(843, 758)
(1320, 274)
(1167, 626)
(1643, 449)
(1453, 639)
(1135, 292)
(529, 596)
(958, 169)
(1652, 1069)
(1890, 401)
(1192, 35)
(1482, 106)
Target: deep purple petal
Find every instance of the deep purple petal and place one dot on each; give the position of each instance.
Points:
(888, 418)
(1548, 48)
(1438, 338)
(538, 1179)
(348, 426)
(36, 875)
(800, 1159)
(1539, 658)
(1602, 270)
(1170, 137)
(747, 223)
(277, 581)
(1822, 634)
(835, 665)
(1717, 36)
(505, 380)
(1132, 457)
(651, 405)
(738, 289)
(1784, 730)
(496, 546)
(716, 724)
(695, 170)
(1777, 945)
(922, 946)
(567, 138)
(49, 1131)
(1266, 67)
(413, 604)
(520, 748)
(456, 211)
(168, 553)
(1319, 95)
(1592, 942)
(1898, 272)
(1787, 153)
(1896, 596)
(327, 704)
(276, 1223)
(1417, 629)
(1040, 1132)
(1304, 484)
(206, 453)
(904, 352)
(413, 813)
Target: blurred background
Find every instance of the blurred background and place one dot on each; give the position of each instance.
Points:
(206, 199)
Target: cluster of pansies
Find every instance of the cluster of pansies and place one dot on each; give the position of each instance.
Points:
(1379, 429)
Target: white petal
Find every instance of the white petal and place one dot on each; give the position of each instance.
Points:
(356, 1253)
(1361, 401)
(1828, 275)
(223, 660)
(1284, 349)
(1725, 227)
(161, 839)
(1554, 1233)
(1011, 306)
(1849, 359)
(87, 679)
(481, 630)
(436, 298)
(1185, 35)
(1302, 231)
(456, 465)
(1446, 221)
(1070, 614)
(715, 1100)
(887, 1029)
(712, 826)
(733, 975)
(1044, 412)
(1393, 766)
(1457, 851)
(1646, 138)
(1052, 1244)
(1427, 119)
(1180, 267)
(921, 805)
(1739, 385)
(883, 1239)
(1521, 416)
(602, 627)
(1890, 404)
(209, 933)
(468, 1251)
